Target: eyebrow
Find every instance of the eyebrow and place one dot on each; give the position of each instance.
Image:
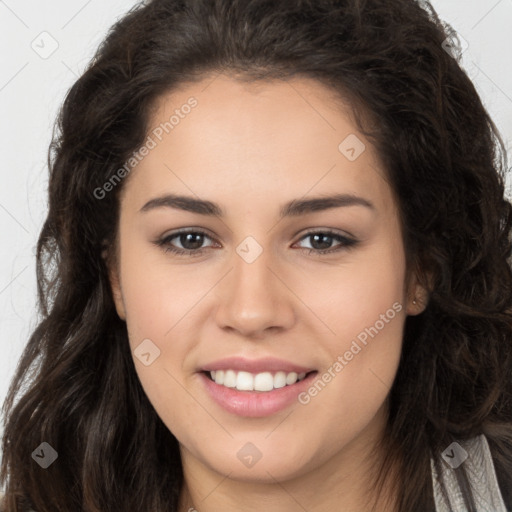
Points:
(291, 209)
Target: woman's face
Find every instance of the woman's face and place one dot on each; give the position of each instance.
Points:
(262, 292)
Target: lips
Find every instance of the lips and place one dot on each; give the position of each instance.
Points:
(254, 387)
(268, 364)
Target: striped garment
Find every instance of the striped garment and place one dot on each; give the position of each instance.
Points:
(478, 463)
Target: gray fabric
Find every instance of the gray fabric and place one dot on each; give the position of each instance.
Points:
(475, 456)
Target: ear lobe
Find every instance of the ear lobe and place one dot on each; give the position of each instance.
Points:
(115, 285)
(417, 297)
(117, 295)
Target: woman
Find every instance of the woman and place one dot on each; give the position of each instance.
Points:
(194, 354)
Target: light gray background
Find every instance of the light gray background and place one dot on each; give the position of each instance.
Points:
(32, 88)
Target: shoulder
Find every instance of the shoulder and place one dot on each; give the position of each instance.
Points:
(475, 457)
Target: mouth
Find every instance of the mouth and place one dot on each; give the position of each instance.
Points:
(254, 395)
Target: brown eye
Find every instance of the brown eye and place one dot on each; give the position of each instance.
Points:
(321, 242)
(191, 242)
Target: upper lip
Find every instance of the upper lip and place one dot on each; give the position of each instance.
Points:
(267, 364)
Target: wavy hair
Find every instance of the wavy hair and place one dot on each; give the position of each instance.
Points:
(75, 385)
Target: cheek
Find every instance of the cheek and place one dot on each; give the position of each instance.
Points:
(365, 314)
(353, 295)
(157, 295)
(156, 300)
(158, 313)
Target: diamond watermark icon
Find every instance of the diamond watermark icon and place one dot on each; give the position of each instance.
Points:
(44, 455)
(455, 45)
(249, 455)
(352, 147)
(146, 352)
(249, 250)
(454, 455)
(45, 45)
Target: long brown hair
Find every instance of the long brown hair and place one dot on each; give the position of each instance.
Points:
(76, 387)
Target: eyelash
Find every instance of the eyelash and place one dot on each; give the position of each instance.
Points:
(164, 243)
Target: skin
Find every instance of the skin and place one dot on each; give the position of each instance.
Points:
(252, 148)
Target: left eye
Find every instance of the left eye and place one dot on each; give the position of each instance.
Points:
(326, 237)
(192, 242)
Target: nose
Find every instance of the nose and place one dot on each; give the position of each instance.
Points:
(254, 300)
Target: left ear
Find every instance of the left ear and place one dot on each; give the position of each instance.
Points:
(115, 283)
(417, 296)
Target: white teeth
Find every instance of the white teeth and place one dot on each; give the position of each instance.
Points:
(219, 377)
(264, 381)
(229, 379)
(291, 378)
(280, 380)
(244, 381)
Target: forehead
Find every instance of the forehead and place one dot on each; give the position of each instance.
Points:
(221, 137)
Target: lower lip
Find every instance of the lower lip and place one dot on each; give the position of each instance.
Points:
(253, 404)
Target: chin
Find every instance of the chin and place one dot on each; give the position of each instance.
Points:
(271, 466)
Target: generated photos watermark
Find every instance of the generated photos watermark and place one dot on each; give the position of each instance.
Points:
(343, 360)
(151, 143)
